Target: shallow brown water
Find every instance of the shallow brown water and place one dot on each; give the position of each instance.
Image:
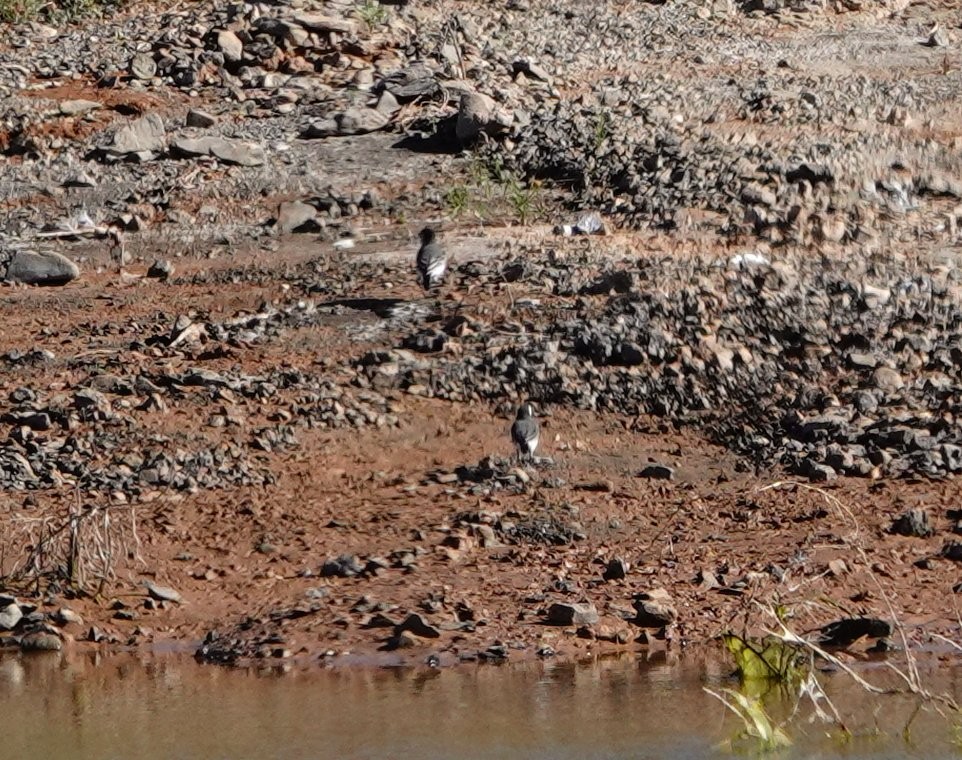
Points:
(108, 707)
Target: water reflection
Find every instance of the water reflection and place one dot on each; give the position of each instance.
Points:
(123, 706)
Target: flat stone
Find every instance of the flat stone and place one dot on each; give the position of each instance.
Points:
(33, 268)
(318, 22)
(228, 151)
(144, 135)
(199, 119)
(353, 121)
(162, 593)
(238, 152)
(77, 107)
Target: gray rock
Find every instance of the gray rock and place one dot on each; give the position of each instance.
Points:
(228, 151)
(475, 115)
(818, 473)
(345, 566)
(230, 45)
(572, 614)
(318, 22)
(860, 360)
(10, 616)
(353, 121)
(387, 103)
(33, 268)
(144, 135)
(77, 107)
(296, 216)
(66, 616)
(237, 152)
(143, 66)
(192, 147)
(530, 69)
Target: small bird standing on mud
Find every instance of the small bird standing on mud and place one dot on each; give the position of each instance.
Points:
(524, 431)
(432, 261)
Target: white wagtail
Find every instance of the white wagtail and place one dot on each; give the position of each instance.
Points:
(524, 431)
(432, 261)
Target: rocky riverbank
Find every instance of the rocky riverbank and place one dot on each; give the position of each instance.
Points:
(235, 393)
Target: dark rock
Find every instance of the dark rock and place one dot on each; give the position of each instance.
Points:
(842, 633)
(572, 614)
(616, 569)
(654, 609)
(345, 566)
(657, 472)
(914, 522)
(417, 625)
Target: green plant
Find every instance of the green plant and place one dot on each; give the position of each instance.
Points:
(371, 13)
(602, 128)
(520, 197)
(456, 200)
(758, 724)
(770, 658)
(18, 11)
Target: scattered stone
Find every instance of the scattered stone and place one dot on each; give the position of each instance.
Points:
(345, 566)
(616, 569)
(162, 593)
(572, 614)
(914, 522)
(654, 609)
